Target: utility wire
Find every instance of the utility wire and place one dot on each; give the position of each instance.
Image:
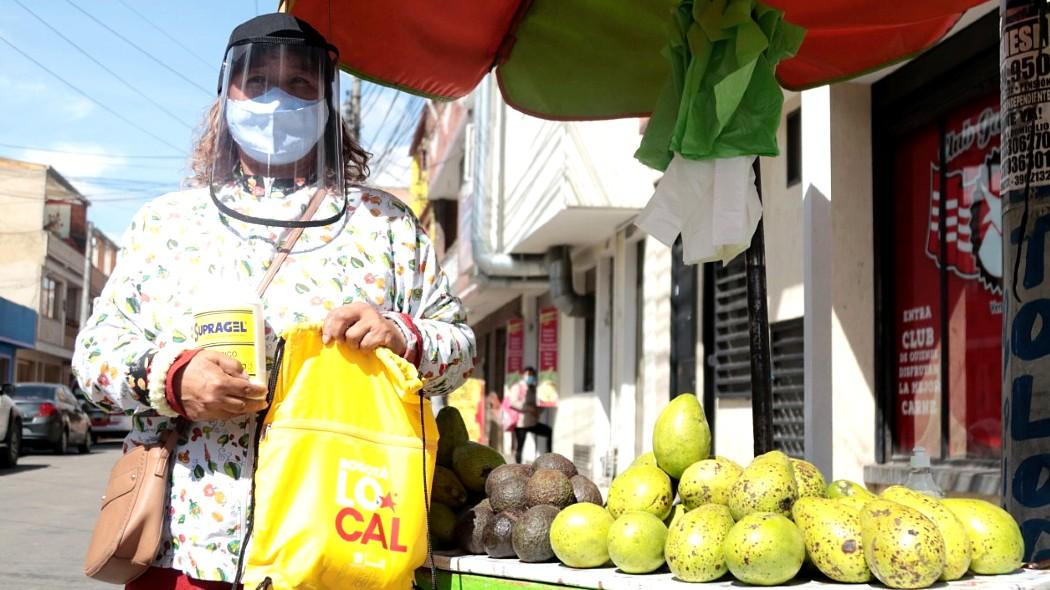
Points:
(75, 153)
(171, 38)
(92, 99)
(389, 110)
(399, 133)
(140, 49)
(394, 138)
(371, 100)
(129, 85)
(119, 182)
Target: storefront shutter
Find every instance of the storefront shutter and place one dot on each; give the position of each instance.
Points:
(732, 355)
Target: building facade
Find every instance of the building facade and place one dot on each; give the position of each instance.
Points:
(49, 256)
(885, 311)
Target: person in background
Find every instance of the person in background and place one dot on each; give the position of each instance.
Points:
(523, 399)
(364, 271)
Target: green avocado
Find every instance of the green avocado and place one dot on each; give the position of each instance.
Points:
(471, 527)
(452, 432)
(498, 535)
(510, 495)
(473, 463)
(531, 534)
(548, 486)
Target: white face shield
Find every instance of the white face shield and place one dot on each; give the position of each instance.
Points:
(279, 121)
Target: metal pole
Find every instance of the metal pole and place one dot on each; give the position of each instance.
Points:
(758, 316)
(85, 292)
(355, 105)
(1025, 197)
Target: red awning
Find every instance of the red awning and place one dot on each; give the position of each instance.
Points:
(585, 59)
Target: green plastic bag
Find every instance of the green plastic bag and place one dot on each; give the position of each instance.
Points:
(722, 98)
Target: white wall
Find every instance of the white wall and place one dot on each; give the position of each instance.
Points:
(22, 188)
(21, 264)
(23, 243)
(782, 211)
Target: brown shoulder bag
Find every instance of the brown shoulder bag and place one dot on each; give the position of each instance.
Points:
(128, 530)
(127, 534)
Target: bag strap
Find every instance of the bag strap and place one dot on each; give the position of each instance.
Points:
(426, 493)
(289, 238)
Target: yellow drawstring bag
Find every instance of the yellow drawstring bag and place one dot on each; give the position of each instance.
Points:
(340, 495)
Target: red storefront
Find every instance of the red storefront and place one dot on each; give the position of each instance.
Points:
(939, 256)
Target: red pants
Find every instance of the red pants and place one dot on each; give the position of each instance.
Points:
(168, 579)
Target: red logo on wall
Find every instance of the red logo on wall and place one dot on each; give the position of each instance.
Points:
(973, 222)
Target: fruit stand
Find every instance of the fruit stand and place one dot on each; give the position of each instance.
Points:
(712, 84)
(679, 516)
(478, 572)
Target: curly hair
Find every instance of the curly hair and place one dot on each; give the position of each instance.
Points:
(211, 134)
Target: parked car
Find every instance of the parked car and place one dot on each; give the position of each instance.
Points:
(104, 424)
(52, 417)
(10, 428)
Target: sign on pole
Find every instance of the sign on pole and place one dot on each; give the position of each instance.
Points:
(1025, 91)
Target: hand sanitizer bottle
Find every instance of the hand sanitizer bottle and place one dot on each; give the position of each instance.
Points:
(920, 478)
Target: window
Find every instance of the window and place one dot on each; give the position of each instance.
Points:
(789, 421)
(446, 213)
(25, 371)
(947, 304)
(684, 283)
(794, 147)
(49, 298)
(52, 373)
(73, 306)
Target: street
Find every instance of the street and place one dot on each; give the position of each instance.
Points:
(47, 510)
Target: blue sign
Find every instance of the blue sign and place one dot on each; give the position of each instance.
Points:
(17, 324)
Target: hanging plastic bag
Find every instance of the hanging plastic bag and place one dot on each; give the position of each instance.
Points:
(343, 475)
(508, 413)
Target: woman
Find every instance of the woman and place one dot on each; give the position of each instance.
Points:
(272, 145)
(523, 399)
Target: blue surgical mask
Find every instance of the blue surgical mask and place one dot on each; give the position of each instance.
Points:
(276, 127)
(530, 380)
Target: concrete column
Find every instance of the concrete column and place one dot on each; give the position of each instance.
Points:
(853, 283)
(817, 272)
(656, 337)
(603, 347)
(838, 285)
(565, 428)
(624, 265)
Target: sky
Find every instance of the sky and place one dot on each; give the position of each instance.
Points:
(123, 143)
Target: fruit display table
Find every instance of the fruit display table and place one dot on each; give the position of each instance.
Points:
(476, 572)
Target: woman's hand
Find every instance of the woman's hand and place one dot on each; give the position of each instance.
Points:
(213, 386)
(362, 326)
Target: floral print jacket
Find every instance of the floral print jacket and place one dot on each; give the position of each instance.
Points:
(180, 246)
